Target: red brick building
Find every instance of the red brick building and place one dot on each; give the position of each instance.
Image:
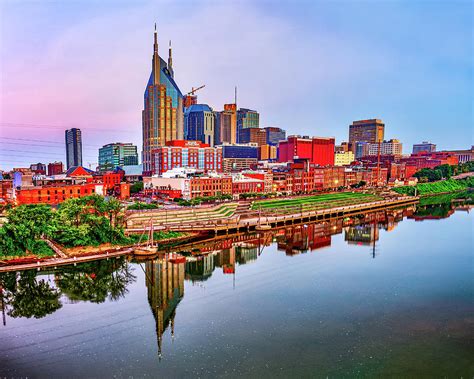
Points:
(317, 150)
(247, 185)
(210, 186)
(191, 154)
(56, 194)
(55, 168)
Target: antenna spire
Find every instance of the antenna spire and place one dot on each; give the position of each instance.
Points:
(170, 58)
(156, 59)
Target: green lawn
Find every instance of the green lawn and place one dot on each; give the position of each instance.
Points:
(316, 202)
(442, 186)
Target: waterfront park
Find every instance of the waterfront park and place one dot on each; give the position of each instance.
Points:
(95, 226)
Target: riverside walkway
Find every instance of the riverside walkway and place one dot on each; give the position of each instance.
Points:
(253, 220)
(55, 262)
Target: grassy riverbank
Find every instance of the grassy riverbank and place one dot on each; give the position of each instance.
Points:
(86, 224)
(317, 201)
(442, 186)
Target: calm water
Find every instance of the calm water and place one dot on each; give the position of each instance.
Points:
(391, 296)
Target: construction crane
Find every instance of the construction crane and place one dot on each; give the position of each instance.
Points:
(190, 98)
(194, 90)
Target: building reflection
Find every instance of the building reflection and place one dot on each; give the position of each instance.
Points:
(362, 234)
(200, 268)
(165, 288)
(165, 277)
(308, 237)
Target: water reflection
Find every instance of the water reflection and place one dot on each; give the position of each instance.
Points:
(205, 256)
(23, 295)
(443, 206)
(165, 289)
(95, 281)
(30, 294)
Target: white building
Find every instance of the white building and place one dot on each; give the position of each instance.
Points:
(391, 147)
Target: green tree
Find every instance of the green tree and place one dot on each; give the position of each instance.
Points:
(136, 187)
(446, 170)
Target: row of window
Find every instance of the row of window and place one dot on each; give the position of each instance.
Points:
(63, 192)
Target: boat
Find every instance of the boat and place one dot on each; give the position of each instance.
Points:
(145, 250)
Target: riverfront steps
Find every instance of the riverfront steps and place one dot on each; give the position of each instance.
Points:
(253, 221)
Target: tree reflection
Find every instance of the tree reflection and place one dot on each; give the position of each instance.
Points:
(96, 281)
(25, 296)
(441, 206)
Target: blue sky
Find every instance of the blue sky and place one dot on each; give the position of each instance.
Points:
(310, 67)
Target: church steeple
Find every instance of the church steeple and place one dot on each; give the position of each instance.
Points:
(156, 60)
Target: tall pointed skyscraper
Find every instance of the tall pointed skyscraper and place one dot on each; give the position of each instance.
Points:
(162, 116)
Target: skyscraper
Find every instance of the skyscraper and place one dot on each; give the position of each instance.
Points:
(371, 131)
(117, 154)
(225, 129)
(162, 116)
(73, 147)
(246, 118)
(274, 135)
(199, 124)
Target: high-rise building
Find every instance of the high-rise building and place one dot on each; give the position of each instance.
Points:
(73, 147)
(225, 129)
(253, 135)
(317, 150)
(239, 157)
(199, 124)
(186, 154)
(246, 118)
(55, 168)
(274, 135)
(371, 131)
(424, 146)
(391, 147)
(117, 154)
(162, 116)
(361, 149)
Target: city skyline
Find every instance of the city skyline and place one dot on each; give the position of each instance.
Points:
(65, 78)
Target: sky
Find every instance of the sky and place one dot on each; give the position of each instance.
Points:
(309, 67)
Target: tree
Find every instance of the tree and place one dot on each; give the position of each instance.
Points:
(429, 174)
(446, 170)
(25, 225)
(30, 221)
(136, 187)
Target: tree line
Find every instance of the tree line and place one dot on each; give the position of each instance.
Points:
(85, 221)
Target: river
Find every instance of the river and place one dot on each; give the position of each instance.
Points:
(388, 294)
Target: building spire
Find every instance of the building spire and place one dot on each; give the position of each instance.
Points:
(155, 44)
(170, 59)
(156, 60)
